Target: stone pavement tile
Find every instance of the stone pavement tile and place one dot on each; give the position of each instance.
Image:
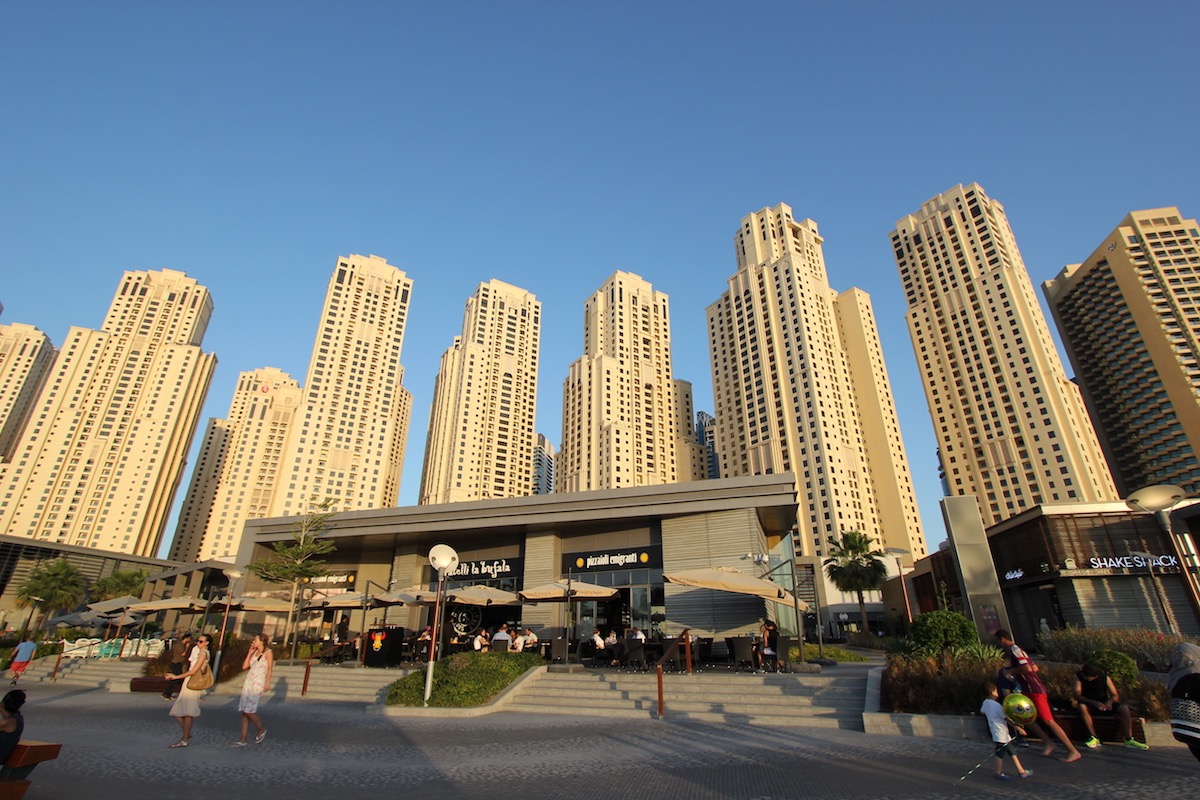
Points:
(115, 748)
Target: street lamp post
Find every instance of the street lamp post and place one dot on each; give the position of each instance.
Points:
(1158, 591)
(234, 575)
(443, 558)
(897, 552)
(1159, 501)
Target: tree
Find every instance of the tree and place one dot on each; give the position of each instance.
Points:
(854, 566)
(119, 584)
(297, 561)
(52, 586)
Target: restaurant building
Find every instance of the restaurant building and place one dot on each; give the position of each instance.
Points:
(1078, 565)
(622, 538)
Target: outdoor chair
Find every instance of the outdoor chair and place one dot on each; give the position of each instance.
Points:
(741, 652)
(635, 654)
(500, 645)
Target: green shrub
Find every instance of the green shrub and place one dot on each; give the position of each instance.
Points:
(463, 680)
(832, 652)
(934, 632)
(867, 641)
(978, 651)
(1120, 667)
(1151, 650)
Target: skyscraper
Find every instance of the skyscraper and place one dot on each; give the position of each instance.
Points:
(543, 466)
(235, 475)
(626, 421)
(26, 356)
(799, 385)
(706, 435)
(1012, 430)
(1129, 317)
(480, 443)
(104, 450)
(347, 441)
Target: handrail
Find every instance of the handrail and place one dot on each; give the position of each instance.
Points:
(308, 665)
(58, 661)
(686, 640)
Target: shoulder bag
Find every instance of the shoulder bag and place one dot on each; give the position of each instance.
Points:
(202, 679)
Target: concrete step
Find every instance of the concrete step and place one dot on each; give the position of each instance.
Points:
(325, 682)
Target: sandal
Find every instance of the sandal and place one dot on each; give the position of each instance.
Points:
(180, 743)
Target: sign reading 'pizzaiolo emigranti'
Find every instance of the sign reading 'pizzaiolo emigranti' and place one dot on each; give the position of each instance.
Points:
(639, 557)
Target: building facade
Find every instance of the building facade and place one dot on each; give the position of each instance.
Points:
(347, 441)
(543, 466)
(235, 476)
(104, 451)
(706, 435)
(480, 443)
(26, 356)
(1011, 427)
(626, 421)
(1129, 317)
(800, 385)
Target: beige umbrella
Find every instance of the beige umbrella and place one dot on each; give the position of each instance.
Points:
(116, 604)
(253, 604)
(185, 603)
(412, 596)
(728, 579)
(481, 595)
(347, 600)
(558, 591)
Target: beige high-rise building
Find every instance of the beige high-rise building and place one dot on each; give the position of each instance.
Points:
(626, 421)
(1011, 428)
(1129, 317)
(26, 356)
(105, 448)
(800, 385)
(236, 474)
(347, 441)
(481, 436)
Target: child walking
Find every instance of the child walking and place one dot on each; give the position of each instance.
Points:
(998, 725)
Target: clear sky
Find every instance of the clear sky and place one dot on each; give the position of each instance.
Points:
(549, 144)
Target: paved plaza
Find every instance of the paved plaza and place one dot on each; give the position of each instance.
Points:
(115, 748)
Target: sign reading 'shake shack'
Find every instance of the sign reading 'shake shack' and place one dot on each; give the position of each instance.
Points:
(488, 568)
(643, 557)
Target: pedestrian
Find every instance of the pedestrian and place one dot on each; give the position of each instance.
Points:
(180, 649)
(260, 661)
(12, 724)
(22, 655)
(187, 705)
(1006, 684)
(1001, 738)
(1096, 693)
(1183, 682)
(1023, 667)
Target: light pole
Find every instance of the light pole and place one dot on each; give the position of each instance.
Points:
(234, 575)
(897, 552)
(443, 558)
(1160, 500)
(1162, 601)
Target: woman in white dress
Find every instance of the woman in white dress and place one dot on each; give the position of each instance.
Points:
(187, 705)
(259, 661)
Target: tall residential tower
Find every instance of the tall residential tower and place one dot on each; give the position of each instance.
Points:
(1129, 317)
(347, 441)
(1012, 430)
(799, 385)
(104, 450)
(626, 421)
(480, 443)
(26, 356)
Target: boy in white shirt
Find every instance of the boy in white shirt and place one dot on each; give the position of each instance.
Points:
(998, 726)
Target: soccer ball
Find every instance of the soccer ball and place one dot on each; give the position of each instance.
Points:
(1019, 709)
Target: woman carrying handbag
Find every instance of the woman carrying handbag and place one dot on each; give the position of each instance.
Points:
(197, 679)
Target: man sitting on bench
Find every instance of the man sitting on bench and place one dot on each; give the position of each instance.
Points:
(1097, 694)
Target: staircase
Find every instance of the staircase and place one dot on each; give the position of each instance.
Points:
(833, 699)
(329, 682)
(92, 673)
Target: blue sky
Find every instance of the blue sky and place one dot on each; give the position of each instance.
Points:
(549, 144)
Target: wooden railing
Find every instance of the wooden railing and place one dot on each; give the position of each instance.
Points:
(328, 651)
(671, 654)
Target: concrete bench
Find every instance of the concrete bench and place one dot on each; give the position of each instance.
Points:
(1108, 726)
(14, 775)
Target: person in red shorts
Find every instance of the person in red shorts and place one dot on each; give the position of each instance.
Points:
(22, 655)
(1027, 671)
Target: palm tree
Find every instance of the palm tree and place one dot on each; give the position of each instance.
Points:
(854, 566)
(52, 586)
(119, 584)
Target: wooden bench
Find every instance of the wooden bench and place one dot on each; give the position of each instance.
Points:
(156, 684)
(14, 775)
(1108, 727)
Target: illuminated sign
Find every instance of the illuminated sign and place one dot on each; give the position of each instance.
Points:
(488, 568)
(1013, 574)
(1131, 562)
(636, 557)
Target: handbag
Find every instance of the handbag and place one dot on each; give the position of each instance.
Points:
(202, 679)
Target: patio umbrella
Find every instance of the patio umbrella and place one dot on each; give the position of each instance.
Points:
(728, 579)
(185, 603)
(116, 604)
(481, 595)
(347, 600)
(412, 596)
(558, 592)
(253, 604)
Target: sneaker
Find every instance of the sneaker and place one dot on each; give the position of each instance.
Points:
(1027, 773)
(259, 739)
(1134, 744)
(238, 744)
(1000, 776)
(1092, 743)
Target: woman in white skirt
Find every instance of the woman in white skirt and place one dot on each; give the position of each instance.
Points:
(187, 705)
(259, 661)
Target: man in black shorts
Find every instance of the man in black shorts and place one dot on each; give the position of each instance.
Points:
(1097, 694)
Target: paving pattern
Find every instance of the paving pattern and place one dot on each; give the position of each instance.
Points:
(115, 748)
